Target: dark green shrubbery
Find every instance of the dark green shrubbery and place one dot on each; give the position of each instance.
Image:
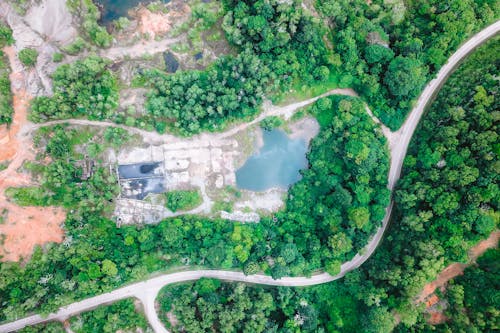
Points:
(269, 123)
(28, 57)
(183, 200)
(5, 91)
(84, 88)
(120, 316)
(5, 36)
(389, 49)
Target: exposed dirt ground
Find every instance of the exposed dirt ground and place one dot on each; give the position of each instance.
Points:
(159, 23)
(25, 227)
(450, 272)
(22, 227)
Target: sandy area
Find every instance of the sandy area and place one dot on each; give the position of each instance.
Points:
(23, 227)
(270, 200)
(160, 23)
(436, 317)
(306, 128)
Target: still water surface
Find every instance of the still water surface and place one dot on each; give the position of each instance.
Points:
(276, 164)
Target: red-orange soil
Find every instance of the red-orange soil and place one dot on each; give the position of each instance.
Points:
(451, 272)
(22, 227)
(456, 269)
(159, 23)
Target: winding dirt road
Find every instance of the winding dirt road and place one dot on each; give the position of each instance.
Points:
(147, 290)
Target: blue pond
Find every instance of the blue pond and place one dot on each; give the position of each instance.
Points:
(276, 164)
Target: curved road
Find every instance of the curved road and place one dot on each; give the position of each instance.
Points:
(147, 290)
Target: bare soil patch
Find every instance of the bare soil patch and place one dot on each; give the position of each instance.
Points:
(26, 227)
(11, 147)
(436, 317)
(23, 227)
(154, 24)
(306, 128)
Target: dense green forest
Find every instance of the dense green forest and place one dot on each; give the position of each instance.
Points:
(390, 49)
(387, 51)
(446, 200)
(278, 43)
(439, 215)
(85, 88)
(5, 92)
(209, 305)
(121, 316)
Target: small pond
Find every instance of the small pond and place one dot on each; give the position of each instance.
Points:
(276, 164)
(171, 63)
(114, 9)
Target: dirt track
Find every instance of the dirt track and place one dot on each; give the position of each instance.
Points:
(457, 269)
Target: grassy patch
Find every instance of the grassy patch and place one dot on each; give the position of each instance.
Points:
(220, 206)
(28, 196)
(183, 200)
(301, 91)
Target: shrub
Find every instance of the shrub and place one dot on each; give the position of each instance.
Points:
(57, 57)
(271, 122)
(183, 200)
(5, 36)
(28, 57)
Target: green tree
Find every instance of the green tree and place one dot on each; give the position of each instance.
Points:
(405, 77)
(109, 268)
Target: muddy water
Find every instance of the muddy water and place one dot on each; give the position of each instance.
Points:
(139, 170)
(138, 180)
(276, 164)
